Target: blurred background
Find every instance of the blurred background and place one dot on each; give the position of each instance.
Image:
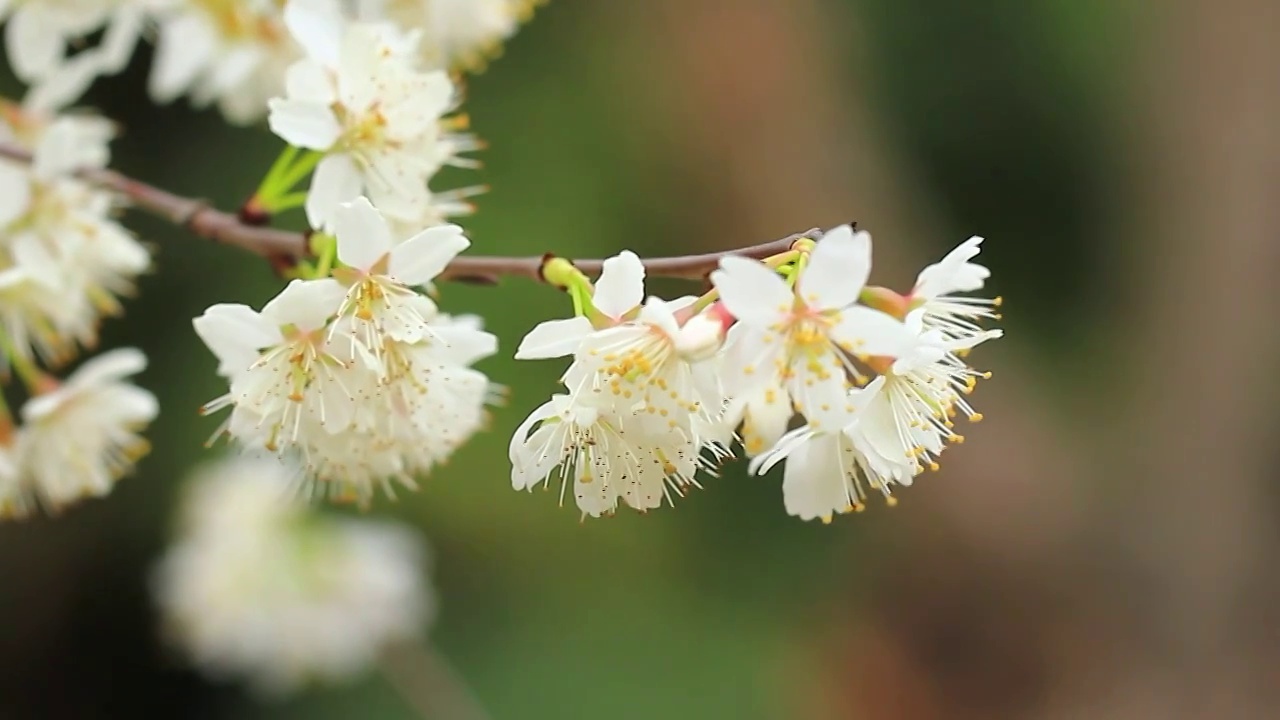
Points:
(1103, 546)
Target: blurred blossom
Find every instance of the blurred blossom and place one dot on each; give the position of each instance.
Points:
(259, 588)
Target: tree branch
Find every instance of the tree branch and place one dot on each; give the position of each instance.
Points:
(282, 247)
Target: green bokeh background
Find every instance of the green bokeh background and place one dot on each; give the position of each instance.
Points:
(624, 125)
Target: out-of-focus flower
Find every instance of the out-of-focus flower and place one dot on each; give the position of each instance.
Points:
(232, 53)
(259, 588)
(80, 437)
(462, 34)
(64, 260)
(38, 34)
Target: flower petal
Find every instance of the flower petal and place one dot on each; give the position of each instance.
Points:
(362, 233)
(317, 26)
(870, 332)
(554, 338)
(752, 292)
(336, 180)
(621, 285)
(305, 304)
(305, 123)
(309, 82)
(421, 258)
(954, 273)
(109, 366)
(15, 191)
(837, 269)
(184, 48)
(235, 333)
(33, 39)
(815, 483)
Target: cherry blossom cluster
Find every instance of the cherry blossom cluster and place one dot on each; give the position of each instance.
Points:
(855, 388)
(357, 377)
(256, 587)
(65, 262)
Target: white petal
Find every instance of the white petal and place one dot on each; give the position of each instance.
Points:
(752, 292)
(235, 333)
(421, 258)
(303, 123)
(554, 338)
(121, 37)
(751, 359)
(814, 484)
(363, 235)
(15, 191)
(621, 285)
(109, 366)
(34, 42)
(871, 332)
(837, 269)
(595, 497)
(659, 313)
(954, 273)
(767, 413)
(336, 180)
(317, 26)
(305, 304)
(309, 82)
(820, 391)
(184, 48)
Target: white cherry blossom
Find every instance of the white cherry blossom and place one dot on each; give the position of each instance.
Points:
(290, 385)
(380, 275)
(359, 99)
(804, 339)
(78, 439)
(606, 459)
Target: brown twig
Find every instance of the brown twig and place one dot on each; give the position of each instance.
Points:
(284, 247)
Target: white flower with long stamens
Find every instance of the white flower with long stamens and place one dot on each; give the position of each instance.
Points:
(78, 439)
(257, 588)
(804, 339)
(358, 99)
(825, 474)
(608, 460)
(297, 386)
(380, 275)
(922, 391)
(937, 288)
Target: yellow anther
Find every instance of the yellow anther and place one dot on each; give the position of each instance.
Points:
(976, 417)
(891, 501)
